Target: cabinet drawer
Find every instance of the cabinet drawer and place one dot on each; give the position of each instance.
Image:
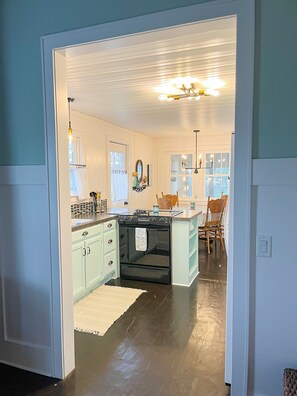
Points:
(109, 262)
(109, 225)
(87, 232)
(109, 241)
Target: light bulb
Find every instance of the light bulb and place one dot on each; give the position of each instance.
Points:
(163, 97)
(70, 134)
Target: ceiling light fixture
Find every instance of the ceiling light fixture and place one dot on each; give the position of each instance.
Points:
(188, 88)
(197, 167)
(70, 100)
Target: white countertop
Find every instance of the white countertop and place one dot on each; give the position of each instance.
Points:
(188, 214)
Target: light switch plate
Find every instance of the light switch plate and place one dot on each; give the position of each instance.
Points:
(264, 246)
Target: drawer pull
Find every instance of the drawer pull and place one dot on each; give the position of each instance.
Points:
(84, 251)
(85, 233)
(109, 225)
(122, 255)
(110, 241)
(88, 250)
(111, 262)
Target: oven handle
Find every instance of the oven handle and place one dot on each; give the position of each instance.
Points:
(148, 227)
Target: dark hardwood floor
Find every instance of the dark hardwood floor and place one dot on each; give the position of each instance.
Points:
(170, 342)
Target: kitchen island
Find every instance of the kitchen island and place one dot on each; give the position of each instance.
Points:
(184, 252)
(181, 245)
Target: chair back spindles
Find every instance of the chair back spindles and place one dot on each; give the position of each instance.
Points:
(163, 202)
(173, 198)
(213, 227)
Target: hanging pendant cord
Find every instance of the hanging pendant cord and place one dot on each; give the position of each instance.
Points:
(196, 152)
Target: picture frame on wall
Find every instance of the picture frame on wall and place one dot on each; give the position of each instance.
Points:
(149, 175)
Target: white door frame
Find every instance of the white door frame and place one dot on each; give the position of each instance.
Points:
(63, 361)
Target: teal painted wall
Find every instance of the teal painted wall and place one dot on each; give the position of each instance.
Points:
(22, 23)
(275, 103)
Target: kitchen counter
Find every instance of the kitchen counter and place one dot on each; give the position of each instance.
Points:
(90, 219)
(188, 214)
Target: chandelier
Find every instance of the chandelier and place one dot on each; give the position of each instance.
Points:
(189, 88)
(197, 166)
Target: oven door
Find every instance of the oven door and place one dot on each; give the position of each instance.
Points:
(154, 263)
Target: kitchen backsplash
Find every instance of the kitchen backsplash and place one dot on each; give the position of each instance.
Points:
(87, 206)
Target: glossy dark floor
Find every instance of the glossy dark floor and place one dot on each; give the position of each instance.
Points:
(170, 342)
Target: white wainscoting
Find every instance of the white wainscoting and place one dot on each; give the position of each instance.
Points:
(25, 288)
(273, 322)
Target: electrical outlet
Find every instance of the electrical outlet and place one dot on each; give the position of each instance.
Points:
(264, 245)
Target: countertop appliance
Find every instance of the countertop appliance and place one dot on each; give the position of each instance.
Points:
(153, 262)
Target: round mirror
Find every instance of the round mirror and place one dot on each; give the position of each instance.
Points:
(139, 170)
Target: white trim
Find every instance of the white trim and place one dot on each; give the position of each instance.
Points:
(244, 10)
(275, 172)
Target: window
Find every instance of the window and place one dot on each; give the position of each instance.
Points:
(78, 176)
(217, 176)
(118, 172)
(180, 178)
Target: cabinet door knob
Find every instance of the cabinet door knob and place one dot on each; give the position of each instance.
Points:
(109, 225)
(84, 252)
(88, 250)
(110, 263)
(85, 233)
(110, 241)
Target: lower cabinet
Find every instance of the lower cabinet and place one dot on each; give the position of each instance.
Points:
(94, 265)
(78, 269)
(94, 257)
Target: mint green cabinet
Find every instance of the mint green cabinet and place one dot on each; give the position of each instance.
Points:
(185, 261)
(94, 257)
(94, 265)
(87, 263)
(78, 269)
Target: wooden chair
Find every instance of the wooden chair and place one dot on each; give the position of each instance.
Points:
(225, 197)
(212, 229)
(163, 202)
(173, 198)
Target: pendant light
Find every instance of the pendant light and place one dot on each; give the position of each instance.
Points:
(70, 100)
(197, 167)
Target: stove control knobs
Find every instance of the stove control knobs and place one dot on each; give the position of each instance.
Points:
(134, 218)
(153, 219)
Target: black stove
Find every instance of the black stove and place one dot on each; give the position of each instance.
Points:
(143, 216)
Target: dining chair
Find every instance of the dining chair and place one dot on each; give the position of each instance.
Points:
(173, 198)
(225, 197)
(212, 229)
(163, 202)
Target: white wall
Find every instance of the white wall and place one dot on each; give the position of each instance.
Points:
(273, 321)
(96, 134)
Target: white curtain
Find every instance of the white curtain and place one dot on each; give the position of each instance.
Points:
(78, 173)
(118, 172)
(119, 182)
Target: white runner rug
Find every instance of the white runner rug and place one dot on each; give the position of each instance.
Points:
(99, 310)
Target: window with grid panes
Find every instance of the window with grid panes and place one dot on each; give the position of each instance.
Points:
(217, 175)
(181, 179)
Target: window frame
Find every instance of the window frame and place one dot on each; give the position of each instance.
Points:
(213, 175)
(110, 140)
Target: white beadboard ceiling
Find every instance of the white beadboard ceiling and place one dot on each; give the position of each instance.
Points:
(115, 80)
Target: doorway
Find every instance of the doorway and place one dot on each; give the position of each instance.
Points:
(242, 162)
